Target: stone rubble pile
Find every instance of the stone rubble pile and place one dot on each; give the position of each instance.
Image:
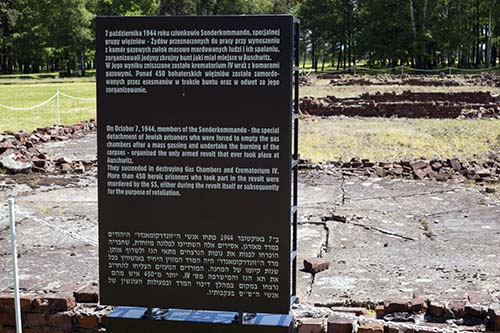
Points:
(484, 79)
(20, 151)
(435, 169)
(397, 80)
(419, 314)
(63, 312)
(307, 80)
(407, 105)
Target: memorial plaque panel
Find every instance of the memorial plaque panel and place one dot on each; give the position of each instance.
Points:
(194, 150)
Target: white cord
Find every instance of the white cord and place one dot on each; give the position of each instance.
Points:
(77, 98)
(69, 233)
(29, 108)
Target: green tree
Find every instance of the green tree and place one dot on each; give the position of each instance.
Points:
(8, 15)
(31, 35)
(70, 26)
(178, 7)
(127, 7)
(386, 31)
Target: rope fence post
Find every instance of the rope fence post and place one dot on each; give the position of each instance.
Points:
(12, 218)
(449, 70)
(402, 70)
(58, 116)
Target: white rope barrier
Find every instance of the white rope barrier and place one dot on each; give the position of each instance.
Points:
(474, 69)
(58, 105)
(77, 98)
(47, 101)
(29, 108)
(377, 69)
(64, 231)
(426, 70)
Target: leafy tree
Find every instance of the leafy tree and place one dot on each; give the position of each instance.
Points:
(127, 7)
(31, 35)
(8, 15)
(59, 34)
(178, 7)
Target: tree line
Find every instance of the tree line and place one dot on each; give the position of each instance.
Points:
(423, 34)
(59, 35)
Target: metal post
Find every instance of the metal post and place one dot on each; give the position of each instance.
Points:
(449, 70)
(58, 117)
(402, 70)
(295, 156)
(12, 218)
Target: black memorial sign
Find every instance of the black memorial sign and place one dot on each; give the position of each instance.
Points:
(194, 117)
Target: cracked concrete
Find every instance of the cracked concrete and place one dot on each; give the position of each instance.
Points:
(383, 238)
(380, 246)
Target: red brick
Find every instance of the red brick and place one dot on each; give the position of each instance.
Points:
(88, 322)
(61, 303)
(339, 325)
(419, 305)
(61, 320)
(494, 313)
(311, 325)
(41, 330)
(86, 295)
(436, 309)
(473, 310)
(7, 318)
(379, 310)
(396, 306)
(7, 302)
(7, 329)
(40, 305)
(371, 327)
(316, 265)
(458, 308)
(35, 320)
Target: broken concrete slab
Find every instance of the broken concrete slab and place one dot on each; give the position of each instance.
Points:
(311, 238)
(81, 149)
(14, 166)
(393, 237)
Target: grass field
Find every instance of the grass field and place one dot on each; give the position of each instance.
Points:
(22, 95)
(391, 139)
(382, 139)
(321, 139)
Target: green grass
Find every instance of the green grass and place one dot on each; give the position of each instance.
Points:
(40, 76)
(333, 138)
(27, 95)
(391, 139)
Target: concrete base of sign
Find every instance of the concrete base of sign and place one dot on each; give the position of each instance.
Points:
(132, 320)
